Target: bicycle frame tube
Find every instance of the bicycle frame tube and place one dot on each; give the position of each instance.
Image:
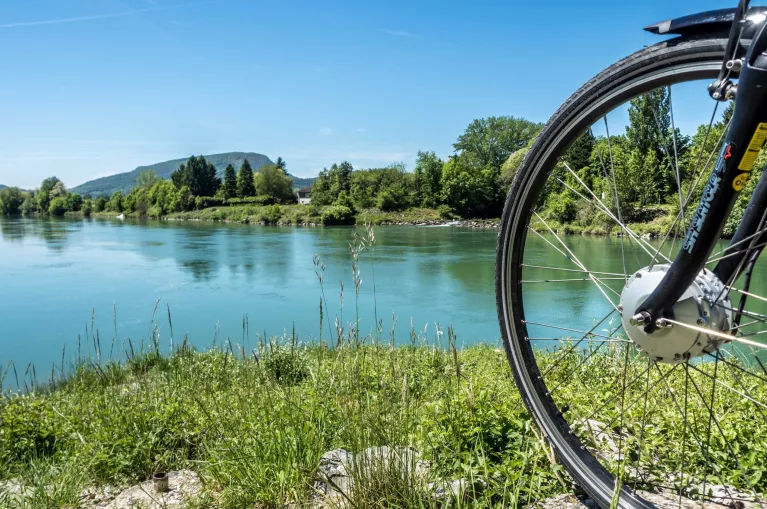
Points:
(744, 140)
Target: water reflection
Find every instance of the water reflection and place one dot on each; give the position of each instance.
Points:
(54, 232)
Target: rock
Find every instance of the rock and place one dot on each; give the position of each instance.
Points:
(183, 487)
(12, 490)
(458, 489)
(334, 480)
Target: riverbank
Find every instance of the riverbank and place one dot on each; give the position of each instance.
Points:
(303, 215)
(254, 425)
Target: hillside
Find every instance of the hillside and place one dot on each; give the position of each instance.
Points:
(2, 186)
(126, 181)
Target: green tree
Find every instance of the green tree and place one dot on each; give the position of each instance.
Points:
(101, 204)
(115, 203)
(147, 179)
(58, 190)
(230, 182)
(43, 199)
(197, 174)
(58, 206)
(488, 142)
(272, 181)
(281, 164)
(29, 206)
(11, 199)
(321, 192)
(468, 189)
(245, 181)
(510, 168)
(179, 176)
(428, 174)
(48, 184)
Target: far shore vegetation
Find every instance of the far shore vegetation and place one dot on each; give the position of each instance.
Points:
(471, 184)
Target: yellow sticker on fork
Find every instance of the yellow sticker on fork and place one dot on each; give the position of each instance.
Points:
(752, 152)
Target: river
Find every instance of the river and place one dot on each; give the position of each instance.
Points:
(57, 276)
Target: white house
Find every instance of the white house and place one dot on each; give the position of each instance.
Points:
(304, 195)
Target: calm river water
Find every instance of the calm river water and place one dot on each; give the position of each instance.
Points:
(55, 276)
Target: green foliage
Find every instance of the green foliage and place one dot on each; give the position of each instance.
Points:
(337, 214)
(488, 142)
(273, 182)
(245, 184)
(101, 204)
(330, 183)
(11, 200)
(147, 179)
(427, 177)
(445, 212)
(469, 190)
(198, 175)
(115, 203)
(511, 166)
(58, 206)
(230, 182)
(286, 364)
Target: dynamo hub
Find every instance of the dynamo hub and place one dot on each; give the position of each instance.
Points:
(697, 307)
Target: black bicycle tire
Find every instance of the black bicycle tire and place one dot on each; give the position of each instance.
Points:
(565, 125)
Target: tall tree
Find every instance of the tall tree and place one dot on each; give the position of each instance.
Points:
(198, 175)
(428, 172)
(11, 199)
(230, 182)
(488, 142)
(245, 185)
(271, 181)
(179, 176)
(147, 179)
(281, 164)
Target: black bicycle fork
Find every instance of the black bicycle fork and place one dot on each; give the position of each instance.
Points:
(746, 137)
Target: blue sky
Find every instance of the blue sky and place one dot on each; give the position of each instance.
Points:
(94, 87)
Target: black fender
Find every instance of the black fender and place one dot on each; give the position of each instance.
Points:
(710, 21)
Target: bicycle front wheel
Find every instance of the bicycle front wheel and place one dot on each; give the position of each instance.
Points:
(622, 422)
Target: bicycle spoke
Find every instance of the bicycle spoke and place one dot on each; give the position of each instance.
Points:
(572, 270)
(615, 187)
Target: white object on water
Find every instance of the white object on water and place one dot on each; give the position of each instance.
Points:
(121, 217)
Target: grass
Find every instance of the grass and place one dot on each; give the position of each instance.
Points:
(254, 424)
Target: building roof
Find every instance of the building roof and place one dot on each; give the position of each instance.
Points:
(307, 189)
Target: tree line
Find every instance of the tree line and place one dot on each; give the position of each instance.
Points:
(469, 183)
(193, 185)
(473, 182)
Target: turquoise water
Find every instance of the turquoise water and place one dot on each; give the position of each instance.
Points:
(54, 275)
(58, 276)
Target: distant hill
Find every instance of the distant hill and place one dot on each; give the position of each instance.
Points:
(124, 182)
(2, 186)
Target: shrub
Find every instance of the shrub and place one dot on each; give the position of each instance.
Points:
(203, 202)
(251, 200)
(337, 214)
(154, 211)
(286, 365)
(445, 212)
(58, 206)
(271, 214)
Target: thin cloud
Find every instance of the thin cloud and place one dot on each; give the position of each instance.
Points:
(102, 16)
(360, 129)
(400, 33)
(326, 131)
